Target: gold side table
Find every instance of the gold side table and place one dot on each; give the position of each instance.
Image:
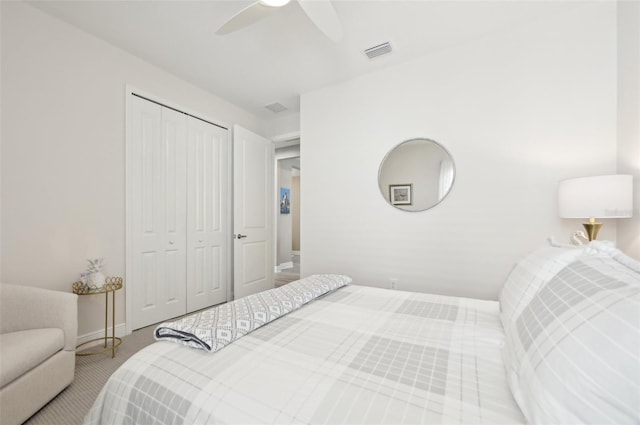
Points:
(112, 284)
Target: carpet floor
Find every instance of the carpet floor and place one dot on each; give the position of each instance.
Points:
(92, 372)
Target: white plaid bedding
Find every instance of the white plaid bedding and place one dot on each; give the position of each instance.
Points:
(358, 355)
(573, 353)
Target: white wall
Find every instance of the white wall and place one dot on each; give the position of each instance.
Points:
(282, 126)
(63, 147)
(518, 111)
(629, 117)
(295, 211)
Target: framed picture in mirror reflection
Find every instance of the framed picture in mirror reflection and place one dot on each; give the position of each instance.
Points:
(400, 194)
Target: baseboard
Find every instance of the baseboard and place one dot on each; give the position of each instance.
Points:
(285, 266)
(120, 332)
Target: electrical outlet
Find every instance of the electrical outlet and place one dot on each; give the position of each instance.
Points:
(393, 281)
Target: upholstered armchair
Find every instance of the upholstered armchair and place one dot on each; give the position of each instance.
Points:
(38, 333)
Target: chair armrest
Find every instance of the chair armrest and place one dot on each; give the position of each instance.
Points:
(26, 307)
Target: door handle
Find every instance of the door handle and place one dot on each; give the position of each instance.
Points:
(239, 236)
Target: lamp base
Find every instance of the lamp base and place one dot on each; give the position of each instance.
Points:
(592, 229)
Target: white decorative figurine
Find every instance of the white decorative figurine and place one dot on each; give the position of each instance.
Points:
(96, 277)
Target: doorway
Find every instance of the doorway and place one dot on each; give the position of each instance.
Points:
(287, 223)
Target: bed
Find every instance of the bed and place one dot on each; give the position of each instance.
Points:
(363, 355)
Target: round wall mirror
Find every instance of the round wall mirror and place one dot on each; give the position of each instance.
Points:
(416, 175)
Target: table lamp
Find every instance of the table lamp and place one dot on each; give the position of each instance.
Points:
(596, 197)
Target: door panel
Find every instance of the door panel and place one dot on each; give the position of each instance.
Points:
(254, 259)
(148, 279)
(157, 213)
(173, 266)
(207, 229)
(253, 212)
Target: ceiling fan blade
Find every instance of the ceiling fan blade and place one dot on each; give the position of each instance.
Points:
(323, 15)
(247, 16)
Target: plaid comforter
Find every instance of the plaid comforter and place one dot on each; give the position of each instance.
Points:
(357, 355)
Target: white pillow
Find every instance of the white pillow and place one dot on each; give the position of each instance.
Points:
(575, 354)
(530, 274)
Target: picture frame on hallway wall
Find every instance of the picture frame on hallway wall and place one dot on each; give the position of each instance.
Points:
(400, 194)
(285, 200)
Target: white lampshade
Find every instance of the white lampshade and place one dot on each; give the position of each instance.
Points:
(274, 3)
(599, 196)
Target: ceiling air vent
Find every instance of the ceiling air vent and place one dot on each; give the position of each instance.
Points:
(276, 107)
(380, 49)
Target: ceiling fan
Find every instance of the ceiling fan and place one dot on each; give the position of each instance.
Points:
(321, 13)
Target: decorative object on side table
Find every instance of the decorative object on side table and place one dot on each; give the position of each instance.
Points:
(94, 275)
(109, 284)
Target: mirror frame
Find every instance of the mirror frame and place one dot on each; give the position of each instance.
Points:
(425, 139)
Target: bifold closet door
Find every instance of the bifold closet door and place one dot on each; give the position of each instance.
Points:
(157, 183)
(207, 204)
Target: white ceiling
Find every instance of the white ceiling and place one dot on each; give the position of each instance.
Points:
(284, 55)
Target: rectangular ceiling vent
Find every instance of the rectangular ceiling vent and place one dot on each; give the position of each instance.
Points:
(276, 107)
(380, 49)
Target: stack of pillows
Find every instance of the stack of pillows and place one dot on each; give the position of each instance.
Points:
(571, 317)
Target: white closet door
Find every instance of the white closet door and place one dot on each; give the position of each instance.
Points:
(157, 213)
(207, 204)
